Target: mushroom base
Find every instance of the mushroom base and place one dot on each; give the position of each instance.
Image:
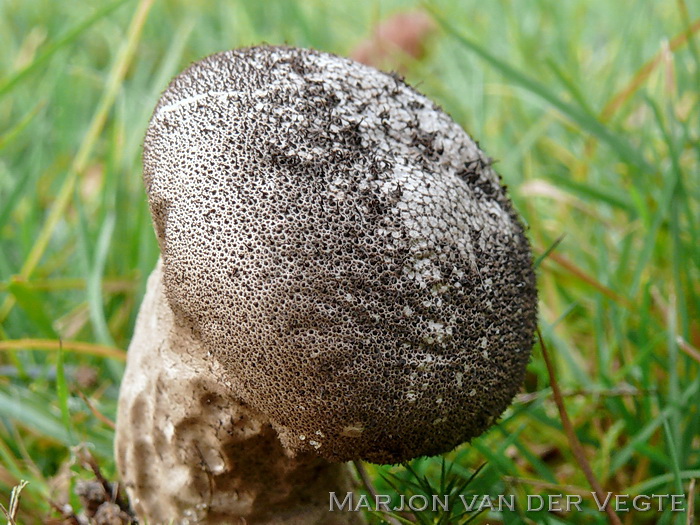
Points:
(188, 451)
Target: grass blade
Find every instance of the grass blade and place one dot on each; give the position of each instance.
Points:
(80, 161)
(62, 393)
(33, 306)
(9, 83)
(586, 122)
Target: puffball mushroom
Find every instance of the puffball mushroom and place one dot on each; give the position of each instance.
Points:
(343, 277)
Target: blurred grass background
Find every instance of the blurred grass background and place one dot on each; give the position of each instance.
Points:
(591, 109)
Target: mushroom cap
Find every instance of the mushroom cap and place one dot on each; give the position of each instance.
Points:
(343, 248)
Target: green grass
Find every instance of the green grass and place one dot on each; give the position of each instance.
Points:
(592, 110)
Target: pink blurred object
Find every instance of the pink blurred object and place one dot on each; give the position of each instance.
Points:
(396, 41)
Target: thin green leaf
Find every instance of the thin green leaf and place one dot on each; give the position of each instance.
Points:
(33, 305)
(94, 282)
(586, 122)
(549, 250)
(62, 393)
(610, 197)
(9, 83)
(34, 416)
(645, 433)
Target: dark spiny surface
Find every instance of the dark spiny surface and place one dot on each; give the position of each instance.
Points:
(343, 248)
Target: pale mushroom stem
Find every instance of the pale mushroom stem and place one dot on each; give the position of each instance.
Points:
(190, 452)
